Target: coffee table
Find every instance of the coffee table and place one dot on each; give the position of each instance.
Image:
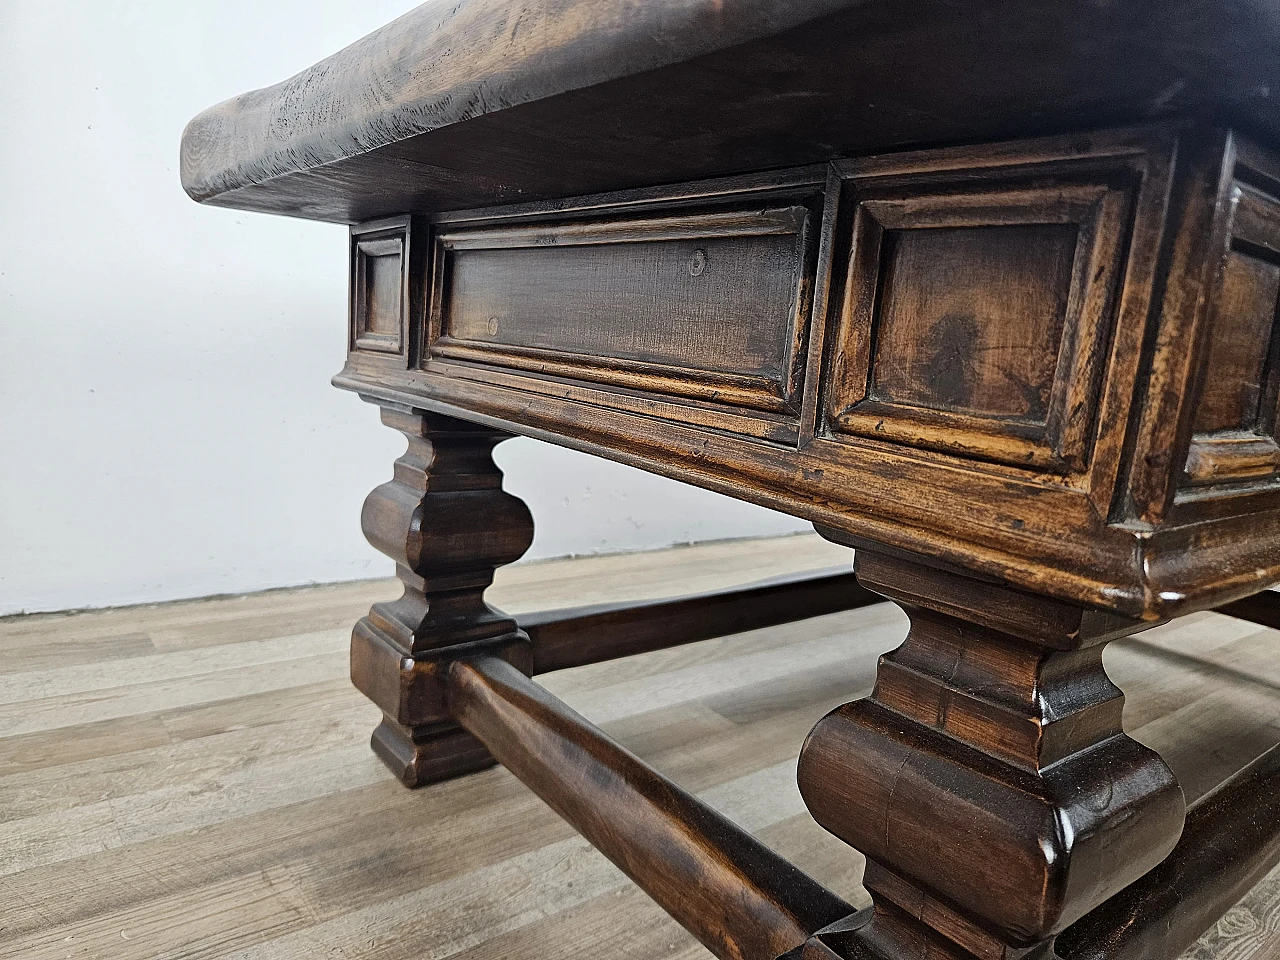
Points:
(985, 291)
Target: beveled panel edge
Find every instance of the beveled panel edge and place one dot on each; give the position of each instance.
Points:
(659, 378)
(1134, 163)
(757, 425)
(1223, 458)
(1226, 462)
(1061, 443)
(1232, 472)
(1079, 545)
(389, 236)
(735, 390)
(759, 204)
(1160, 422)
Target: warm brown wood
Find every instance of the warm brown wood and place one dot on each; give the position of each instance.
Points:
(380, 278)
(448, 524)
(975, 309)
(640, 302)
(1030, 425)
(650, 335)
(1237, 350)
(1231, 840)
(1234, 435)
(493, 102)
(929, 350)
(993, 723)
(1031, 376)
(582, 635)
(741, 900)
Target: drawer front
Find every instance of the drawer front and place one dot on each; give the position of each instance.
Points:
(709, 306)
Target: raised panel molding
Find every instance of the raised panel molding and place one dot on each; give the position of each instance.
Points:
(380, 286)
(977, 311)
(711, 306)
(1035, 434)
(1234, 437)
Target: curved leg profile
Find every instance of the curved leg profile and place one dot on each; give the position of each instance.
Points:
(447, 523)
(987, 779)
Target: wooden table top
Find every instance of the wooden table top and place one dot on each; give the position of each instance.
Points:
(473, 103)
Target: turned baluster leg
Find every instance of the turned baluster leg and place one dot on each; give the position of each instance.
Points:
(447, 523)
(986, 779)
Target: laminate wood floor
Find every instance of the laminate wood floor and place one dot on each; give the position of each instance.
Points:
(193, 780)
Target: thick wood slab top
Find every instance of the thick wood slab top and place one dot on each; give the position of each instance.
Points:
(480, 102)
(445, 63)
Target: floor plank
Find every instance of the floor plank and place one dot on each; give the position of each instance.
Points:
(193, 780)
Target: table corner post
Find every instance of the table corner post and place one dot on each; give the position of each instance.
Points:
(987, 779)
(446, 521)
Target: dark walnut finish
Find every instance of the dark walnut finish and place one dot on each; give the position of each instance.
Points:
(633, 303)
(447, 523)
(987, 292)
(582, 635)
(1234, 428)
(999, 355)
(993, 727)
(1230, 841)
(499, 101)
(730, 891)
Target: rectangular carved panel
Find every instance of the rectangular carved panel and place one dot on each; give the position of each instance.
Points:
(1235, 436)
(1236, 361)
(379, 286)
(711, 306)
(978, 310)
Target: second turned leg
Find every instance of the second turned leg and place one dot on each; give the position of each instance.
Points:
(987, 779)
(446, 521)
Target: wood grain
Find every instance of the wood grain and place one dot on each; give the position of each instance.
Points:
(1023, 419)
(1057, 504)
(948, 298)
(994, 720)
(1031, 378)
(738, 898)
(1234, 437)
(448, 524)
(1230, 842)
(582, 635)
(380, 277)
(634, 303)
(483, 102)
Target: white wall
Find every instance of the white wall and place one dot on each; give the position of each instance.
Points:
(167, 428)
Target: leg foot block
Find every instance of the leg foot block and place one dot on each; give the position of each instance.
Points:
(422, 757)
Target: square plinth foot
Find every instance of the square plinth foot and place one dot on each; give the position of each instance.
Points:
(422, 757)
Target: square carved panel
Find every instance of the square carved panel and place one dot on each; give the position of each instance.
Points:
(379, 287)
(971, 318)
(976, 315)
(1234, 427)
